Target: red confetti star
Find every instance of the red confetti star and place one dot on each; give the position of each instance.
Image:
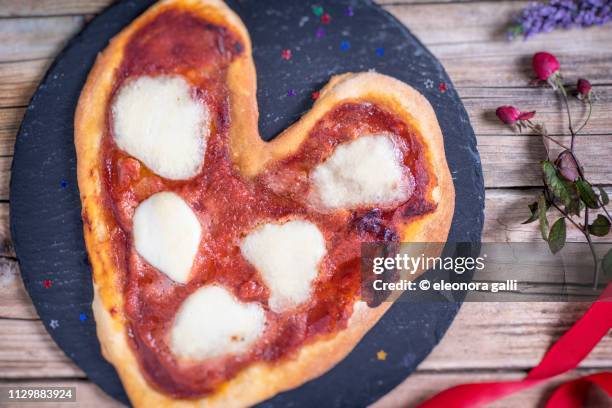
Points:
(47, 283)
(315, 95)
(326, 18)
(286, 54)
(443, 87)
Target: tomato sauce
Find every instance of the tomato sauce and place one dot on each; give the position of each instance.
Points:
(228, 206)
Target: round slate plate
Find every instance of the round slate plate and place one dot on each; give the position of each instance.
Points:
(46, 212)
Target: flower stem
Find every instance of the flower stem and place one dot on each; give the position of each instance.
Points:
(588, 117)
(586, 234)
(569, 115)
(539, 131)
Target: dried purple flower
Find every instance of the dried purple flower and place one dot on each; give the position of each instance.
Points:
(539, 17)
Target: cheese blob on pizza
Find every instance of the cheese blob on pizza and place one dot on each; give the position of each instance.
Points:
(226, 269)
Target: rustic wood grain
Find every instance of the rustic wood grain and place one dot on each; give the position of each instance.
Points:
(39, 8)
(422, 385)
(505, 209)
(34, 38)
(506, 335)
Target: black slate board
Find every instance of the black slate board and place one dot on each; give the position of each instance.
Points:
(45, 208)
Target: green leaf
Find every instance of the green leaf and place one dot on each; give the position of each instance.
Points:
(587, 194)
(556, 238)
(600, 226)
(542, 217)
(603, 196)
(561, 189)
(606, 263)
(533, 207)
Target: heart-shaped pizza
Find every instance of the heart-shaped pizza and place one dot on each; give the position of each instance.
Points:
(226, 269)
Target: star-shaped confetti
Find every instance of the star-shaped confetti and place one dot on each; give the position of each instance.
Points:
(429, 84)
(380, 51)
(82, 316)
(291, 92)
(381, 355)
(54, 324)
(286, 54)
(315, 95)
(317, 10)
(320, 33)
(47, 283)
(345, 45)
(443, 87)
(326, 18)
(63, 183)
(349, 11)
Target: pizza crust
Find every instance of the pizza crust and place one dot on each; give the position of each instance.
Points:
(258, 381)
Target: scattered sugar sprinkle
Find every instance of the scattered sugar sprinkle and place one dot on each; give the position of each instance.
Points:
(345, 45)
(291, 92)
(47, 283)
(63, 183)
(380, 51)
(54, 324)
(82, 316)
(320, 33)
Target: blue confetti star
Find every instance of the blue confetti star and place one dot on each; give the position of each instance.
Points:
(64, 183)
(345, 45)
(82, 316)
(380, 51)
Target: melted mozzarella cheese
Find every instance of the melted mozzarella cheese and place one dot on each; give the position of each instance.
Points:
(157, 121)
(211, 322)
(167, 234)
(287, 256)
(364, 172)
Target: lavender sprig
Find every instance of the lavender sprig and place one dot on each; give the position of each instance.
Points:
(539, 17)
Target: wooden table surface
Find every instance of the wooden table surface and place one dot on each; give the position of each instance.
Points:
(487, 341)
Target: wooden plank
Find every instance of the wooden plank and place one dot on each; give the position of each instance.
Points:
(5, 176)
(27, 351)
(479, 54)
(481, 103)
(30, 8)
(10, 118)
(415, 389)
(513, 161)
(14, 300)
(88, 395)
(476, 55)
(18, 81)
(505, 210)
(422, 385)
(35, 38)
(506, 335)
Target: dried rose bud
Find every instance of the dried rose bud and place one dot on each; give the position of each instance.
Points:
(568, 168)
(584, 89)
(545, 65)
(526, 115)
(510, 115)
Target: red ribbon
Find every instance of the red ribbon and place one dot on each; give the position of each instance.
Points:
(563, 356)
